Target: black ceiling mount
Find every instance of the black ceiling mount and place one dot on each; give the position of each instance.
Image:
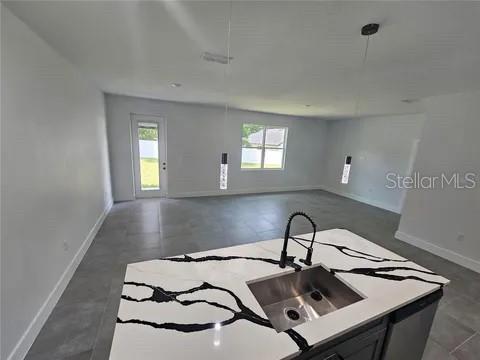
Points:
(370, 29)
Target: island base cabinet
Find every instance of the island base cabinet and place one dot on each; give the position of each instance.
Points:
(364, 343)
(401, 335)
(360, 347)
(409, 329)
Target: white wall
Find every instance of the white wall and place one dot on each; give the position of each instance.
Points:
(433, 219)
(195, 144)
(55, 179)
(378, 145)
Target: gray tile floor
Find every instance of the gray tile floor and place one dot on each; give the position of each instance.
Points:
(81, 325)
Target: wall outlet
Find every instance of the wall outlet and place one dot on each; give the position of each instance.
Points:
(65, 245)
(460, 237)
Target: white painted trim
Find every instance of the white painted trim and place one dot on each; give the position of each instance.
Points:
(23, 345)
(243, 191)
(411, 164)
(396, 209)
(437, 250)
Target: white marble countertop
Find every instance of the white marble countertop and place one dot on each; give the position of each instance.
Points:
(199, 306)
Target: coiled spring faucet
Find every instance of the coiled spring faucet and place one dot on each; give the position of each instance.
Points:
(288, 260)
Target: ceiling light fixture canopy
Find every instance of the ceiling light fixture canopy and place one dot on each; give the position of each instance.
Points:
(370, 29)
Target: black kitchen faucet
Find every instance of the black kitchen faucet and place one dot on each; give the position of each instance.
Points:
(288, 260)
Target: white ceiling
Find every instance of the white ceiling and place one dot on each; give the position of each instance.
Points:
(286, 53)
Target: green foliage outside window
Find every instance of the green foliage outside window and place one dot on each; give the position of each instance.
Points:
(147, 133)
(249, 129)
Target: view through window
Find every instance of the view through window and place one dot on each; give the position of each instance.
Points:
(263, 147)
(148, 151)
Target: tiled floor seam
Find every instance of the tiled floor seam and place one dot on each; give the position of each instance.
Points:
(464, 342)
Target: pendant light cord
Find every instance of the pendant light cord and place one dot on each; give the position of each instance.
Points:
(362, 74)
(226, 73)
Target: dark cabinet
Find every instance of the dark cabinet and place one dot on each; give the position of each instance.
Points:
(401, 335)
(364, 343)
(409, 328)
(358, 348)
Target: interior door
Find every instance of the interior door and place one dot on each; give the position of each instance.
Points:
(149, 156)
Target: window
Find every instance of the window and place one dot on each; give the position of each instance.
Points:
(263, 147)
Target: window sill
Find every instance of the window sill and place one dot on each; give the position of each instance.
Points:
(267, 169)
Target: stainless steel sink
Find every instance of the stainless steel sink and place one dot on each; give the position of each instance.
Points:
(293, 298)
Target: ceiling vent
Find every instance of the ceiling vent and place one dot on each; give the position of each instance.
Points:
(218, 58)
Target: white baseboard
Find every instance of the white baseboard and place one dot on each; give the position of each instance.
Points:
(437, 250)
(243, 191)
(23, 345)
(395, 209)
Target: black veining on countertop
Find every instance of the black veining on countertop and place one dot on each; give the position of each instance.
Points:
(343, 249)
(187, 258)
(373, 272)
(161, 295)
(356, 254)
(380, 273)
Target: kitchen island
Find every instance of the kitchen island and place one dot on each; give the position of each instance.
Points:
(200, 306)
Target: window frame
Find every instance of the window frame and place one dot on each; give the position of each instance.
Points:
(263, 147)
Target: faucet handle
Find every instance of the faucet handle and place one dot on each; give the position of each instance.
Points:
(308, 260)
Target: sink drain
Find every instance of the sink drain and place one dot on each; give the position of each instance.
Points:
(293, 314)
(316, 295)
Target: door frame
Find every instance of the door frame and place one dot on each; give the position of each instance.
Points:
(135, 118)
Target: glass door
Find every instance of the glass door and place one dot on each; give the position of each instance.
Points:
(150, 167)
